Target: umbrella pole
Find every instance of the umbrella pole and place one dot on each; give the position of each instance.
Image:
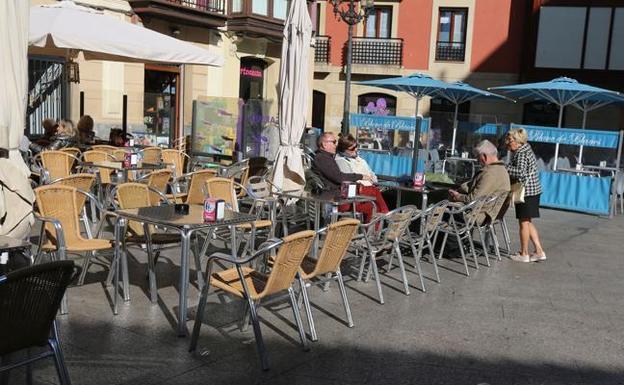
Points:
(557, 145)
(416, 152)
(580, 157)
(454, 129)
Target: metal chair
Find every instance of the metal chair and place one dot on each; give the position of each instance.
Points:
(59, 208)
(327, 266)
(255, 287)
(71, 150)
(95, 156)
(384, 234)
(83, 182)
(196, 184)
(104, 148)
(461, 222)
(55, 164)
(29, 301)
(500, 203)
(158, 180)
(176, 160)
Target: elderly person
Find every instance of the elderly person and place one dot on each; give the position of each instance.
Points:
(492, 179)
(65, 137)
(325, 165)
(523, 168)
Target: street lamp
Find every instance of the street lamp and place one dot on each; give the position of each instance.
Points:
(351, 14)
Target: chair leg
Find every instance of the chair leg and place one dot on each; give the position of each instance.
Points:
(433, 259)
(506, 235)
(495, 240)
(85, 267)
(345, 301)
(362, 263)
(59, 361)
(199, 315)
(295, 308)
(484, 246)
(87, 223)
(197, 257)
(463, 254)
(417, 256)
(264, 362)
(308, 308)
(443, 245)
(397, 250)
(151, 262)
(472, 250)
(373, 267)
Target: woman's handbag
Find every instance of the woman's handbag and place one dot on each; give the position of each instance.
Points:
(517, 193)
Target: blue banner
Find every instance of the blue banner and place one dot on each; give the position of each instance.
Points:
(572, 136)
(588, 194)
(384, 122)
(483, 129)
(391, 165)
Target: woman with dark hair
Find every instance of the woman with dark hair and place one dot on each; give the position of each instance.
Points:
(85, 130)
(350, 162)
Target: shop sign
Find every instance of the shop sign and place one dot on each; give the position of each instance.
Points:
(380, 122)
(251, 72)
(574, 137)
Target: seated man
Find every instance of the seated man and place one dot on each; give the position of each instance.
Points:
(325, 165)
(493, 178)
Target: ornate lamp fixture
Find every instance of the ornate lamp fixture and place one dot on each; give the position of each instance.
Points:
(73, 71)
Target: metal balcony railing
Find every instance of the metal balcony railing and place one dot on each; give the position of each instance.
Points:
(367, 50)
(321, 51)
(215, 6)
(446, 51)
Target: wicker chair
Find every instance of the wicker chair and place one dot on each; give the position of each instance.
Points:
(71, 150)
(104, 148)
(152, 154)
(327, 266)
(84, 182)
(196, 182)
(29, 300)
(175, 160)
(381, 236)
(94, 156)
(255, 287)
(55, 164)
(119, 154)
(59, 207)
(461, 222)
(136, 195)
(225, 189)
(158, 180)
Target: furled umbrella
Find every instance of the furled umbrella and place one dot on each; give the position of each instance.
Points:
(460, 92)
(293, 97)
(561, 91)
(416, 85)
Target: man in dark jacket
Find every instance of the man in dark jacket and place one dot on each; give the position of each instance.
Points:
(326, 167)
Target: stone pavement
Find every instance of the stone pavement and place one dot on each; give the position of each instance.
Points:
(554, 322)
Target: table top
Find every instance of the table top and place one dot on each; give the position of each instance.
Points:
(10, 243)
(119, 165)
(165, 215)
(330, 197)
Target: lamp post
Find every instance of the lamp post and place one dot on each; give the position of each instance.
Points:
(351, 14)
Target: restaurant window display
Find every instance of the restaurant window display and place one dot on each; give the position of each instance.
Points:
(159, 108)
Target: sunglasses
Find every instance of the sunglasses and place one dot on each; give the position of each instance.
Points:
(330, 141)
(352, 148)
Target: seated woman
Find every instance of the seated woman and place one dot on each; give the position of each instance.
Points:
(349, 161)
(86, 135)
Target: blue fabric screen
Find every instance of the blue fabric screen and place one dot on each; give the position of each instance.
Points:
(390, 165)
(575, 192)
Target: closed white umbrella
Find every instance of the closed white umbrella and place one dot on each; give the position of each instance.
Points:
(294, 90)
(16, 196)
(68, 26)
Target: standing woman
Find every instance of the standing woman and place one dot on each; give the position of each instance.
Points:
(523, 168)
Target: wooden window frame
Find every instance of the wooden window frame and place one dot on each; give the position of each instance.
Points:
(377, 12)
(453, 10)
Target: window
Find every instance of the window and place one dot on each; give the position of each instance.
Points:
(280, 9)
(237, 6)
(260, 7)
(379, 23)
(451, 44)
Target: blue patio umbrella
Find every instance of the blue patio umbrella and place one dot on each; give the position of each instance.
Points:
(460, 92)
(417, 85)
(563, 92)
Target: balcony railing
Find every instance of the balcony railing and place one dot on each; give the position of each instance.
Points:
(368, 50)
(321, 51)
(446, 51)
(215, 6)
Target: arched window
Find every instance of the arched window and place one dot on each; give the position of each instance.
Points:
(377, 104)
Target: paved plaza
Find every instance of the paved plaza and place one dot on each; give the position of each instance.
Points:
(555, 322)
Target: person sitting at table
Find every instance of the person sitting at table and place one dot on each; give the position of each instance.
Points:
(492, 179)
(349, 161)
(65, 137)
(86, 135)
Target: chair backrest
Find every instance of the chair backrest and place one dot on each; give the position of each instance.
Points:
(472, 210)
(505, 202)
(222, 188)
(134, 195)
(397, 221)
(287, 261)
(29, 300)
(104, 147)
(258, 187)
(93, 156)
(152, 154)
(196, 194)
(238, 171)
(82, 182)
(434, 216)
(62, 203)
(175, 161)
(158, 180)
(119, 154)
(58, 164)
(71, 150)
(337, 241)
(619, 187)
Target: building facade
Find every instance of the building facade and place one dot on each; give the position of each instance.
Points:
(486, 43)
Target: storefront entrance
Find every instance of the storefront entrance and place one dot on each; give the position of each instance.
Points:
(160, 106)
